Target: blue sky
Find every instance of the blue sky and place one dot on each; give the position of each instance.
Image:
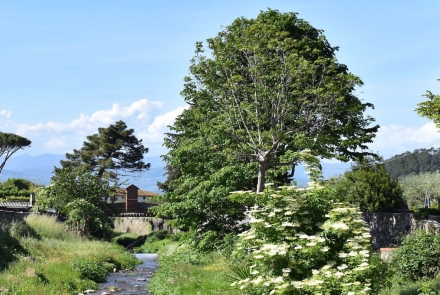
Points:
(69, 67)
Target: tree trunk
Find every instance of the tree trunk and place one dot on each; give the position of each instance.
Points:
(262, 166)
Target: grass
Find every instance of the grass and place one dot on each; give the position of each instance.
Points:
(46, 259)
(182, 270)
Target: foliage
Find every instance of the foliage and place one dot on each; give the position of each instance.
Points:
(418, 257)
(369, 187)
(276, 86)
(431, 108)
(17, 188)
(417, 187)
(418, 161)
(300, 242)
(9, 144)
(258, 92)
(186, 271)
(81, 197)
(89, 269)
(106, 153)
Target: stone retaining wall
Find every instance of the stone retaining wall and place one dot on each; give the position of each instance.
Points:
(9, 216)
(141, 225)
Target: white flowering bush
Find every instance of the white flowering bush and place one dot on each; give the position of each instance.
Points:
(300, 242)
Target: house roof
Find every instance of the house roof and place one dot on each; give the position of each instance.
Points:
(141, 193)
(15, 205)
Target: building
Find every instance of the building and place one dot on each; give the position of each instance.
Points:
(132, 200)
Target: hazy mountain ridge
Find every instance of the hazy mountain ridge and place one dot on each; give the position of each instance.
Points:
(38, 169)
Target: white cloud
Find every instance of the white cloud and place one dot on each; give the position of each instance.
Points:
(397, 139)
(5, 113)
(143, 116)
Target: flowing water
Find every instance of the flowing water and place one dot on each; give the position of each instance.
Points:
(131, 282)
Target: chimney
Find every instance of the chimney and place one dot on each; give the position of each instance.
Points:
(32, 200)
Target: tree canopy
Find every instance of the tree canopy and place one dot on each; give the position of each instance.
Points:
(275, 86)
(107, 153)
(262, 90)
(9, 144)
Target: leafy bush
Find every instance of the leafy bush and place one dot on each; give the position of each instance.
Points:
(301, 242)
(418, 257)
(128, 239)
(90, 269)
(369, 187)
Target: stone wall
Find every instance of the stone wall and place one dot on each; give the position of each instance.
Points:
(9, 216)
(388, 228)
(141, 225)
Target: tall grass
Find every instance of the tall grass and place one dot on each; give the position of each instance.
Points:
(182, 270)
(49, 255)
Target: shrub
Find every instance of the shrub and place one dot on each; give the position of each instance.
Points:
(300, 242)
(92, 270)
(418, 257)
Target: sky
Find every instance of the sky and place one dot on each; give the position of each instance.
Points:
(70, 67)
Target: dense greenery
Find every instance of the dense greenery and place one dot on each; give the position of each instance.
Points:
(51, 260)
(184, 270)
(9, 144)
(369, 186)
(301, 242)
(418, 257)
(16, 188)
(81, 197)
(255, 101)
(107, 153)
(418, 161)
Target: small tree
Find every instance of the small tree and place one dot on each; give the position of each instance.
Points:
(9, 144)
(368, 186)
(80, 196)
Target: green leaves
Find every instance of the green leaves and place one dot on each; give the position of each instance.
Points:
(81, 197)
(431, 108)
(368, 186)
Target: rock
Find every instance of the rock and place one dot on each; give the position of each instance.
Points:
(89, 291)
(106, 293)
(141, 279)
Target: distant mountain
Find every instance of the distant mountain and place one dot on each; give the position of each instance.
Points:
(38, 169)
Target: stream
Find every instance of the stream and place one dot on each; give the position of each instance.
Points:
(131, 282)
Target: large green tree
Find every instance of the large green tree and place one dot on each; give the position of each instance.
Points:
(108, 152)
(259, 92)
(276, 82)
(9, 144)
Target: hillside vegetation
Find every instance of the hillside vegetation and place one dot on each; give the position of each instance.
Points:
(418, 161)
